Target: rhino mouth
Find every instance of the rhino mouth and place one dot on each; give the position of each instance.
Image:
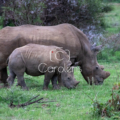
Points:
(71, 86)
(99, 81)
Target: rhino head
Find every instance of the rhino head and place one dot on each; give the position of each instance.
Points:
(91, 70)
(68, 79)
(95, 75)
(67, 75)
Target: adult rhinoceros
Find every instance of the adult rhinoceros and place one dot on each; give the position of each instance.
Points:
(63, 35)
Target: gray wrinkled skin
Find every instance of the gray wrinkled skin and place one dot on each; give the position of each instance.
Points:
(29, 57)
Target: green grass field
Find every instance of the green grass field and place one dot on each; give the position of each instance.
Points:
(68, 104)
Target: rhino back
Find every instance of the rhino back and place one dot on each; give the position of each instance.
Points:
(63, 35)
(60, 35)
(33, 55)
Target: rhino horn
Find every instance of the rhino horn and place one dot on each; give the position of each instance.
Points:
(76, 83)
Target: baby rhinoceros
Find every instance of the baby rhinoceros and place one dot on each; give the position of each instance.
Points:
(38, 60)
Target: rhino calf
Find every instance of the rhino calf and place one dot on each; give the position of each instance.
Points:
(38, 60)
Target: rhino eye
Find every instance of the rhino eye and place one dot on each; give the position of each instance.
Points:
(96, 67)
(68, 78)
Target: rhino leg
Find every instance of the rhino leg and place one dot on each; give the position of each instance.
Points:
(21, 82)
(48, 76)
(11, 78)
(60, 83)
(4, 76)
(20, 77)
(54, 82)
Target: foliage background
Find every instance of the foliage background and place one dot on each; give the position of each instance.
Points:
(47, 12)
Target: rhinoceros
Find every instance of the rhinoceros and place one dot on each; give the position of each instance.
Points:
(64, 35)
(37, 60)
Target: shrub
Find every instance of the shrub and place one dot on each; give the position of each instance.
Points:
(110, 108)
(106, 54)
(107, 8)
(100, 109)
(111, 48)
(103, 55)
(1, 22)
(77, 12)
(111, 1)
(23, 12)
(117, 54)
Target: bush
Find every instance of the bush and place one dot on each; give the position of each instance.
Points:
(23, 12)
(111, 108)
(111, 1)
(111, 48)
(1, 22)
(107, 8)
(100, 109)
(77, 12)
(109, 55)
(103, 55)
(117, 54)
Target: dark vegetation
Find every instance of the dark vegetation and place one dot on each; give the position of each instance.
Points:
(107, 7)
(111, 1)
(47, 12)
(111, 108)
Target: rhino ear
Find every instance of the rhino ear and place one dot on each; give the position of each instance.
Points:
(94, 45)
(69, 63)
(96, 49)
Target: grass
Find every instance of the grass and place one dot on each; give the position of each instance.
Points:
(112, 20)
(69, 105)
